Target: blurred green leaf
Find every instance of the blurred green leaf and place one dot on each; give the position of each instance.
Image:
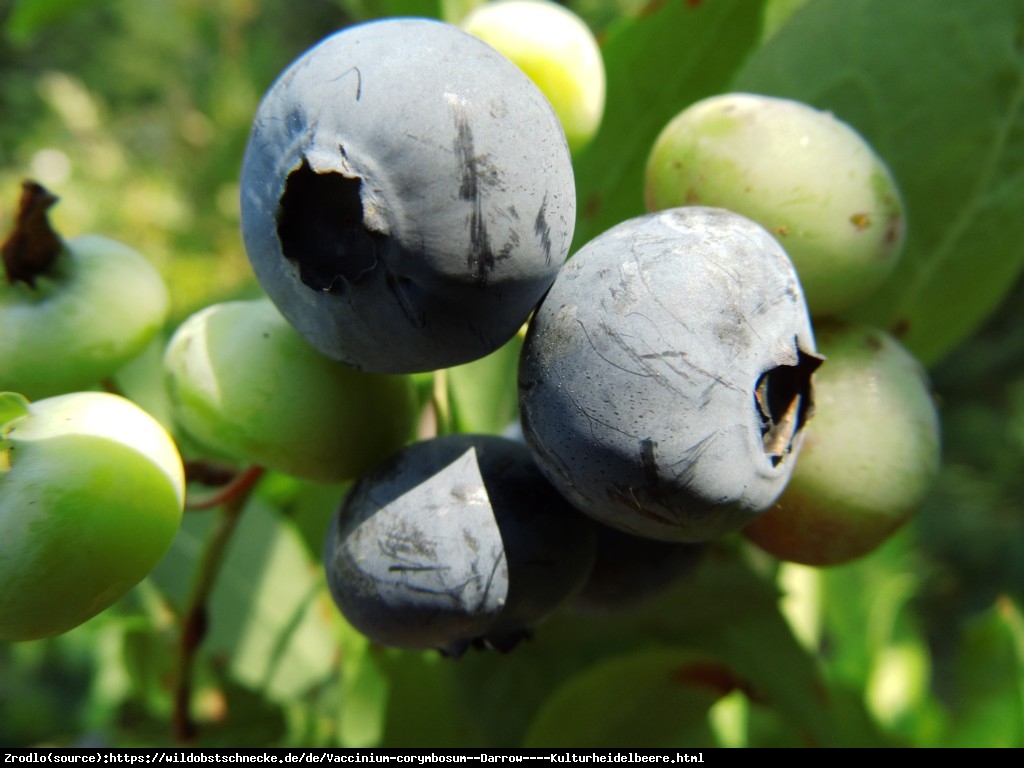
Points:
(416, 678)
(669, 692)
(759, 645)
(656, 64)
(483, 394)
(173, 575)
(777, 13)
(271, 620)
(938, 90)
(142, 381)
(252, 719)
(148, 659)
(374, 9)
(728, 611)
(30, 17)
(499, 694)
(44, 689)
(990, 681)
(454, 11)
(863, 607)
(308, 505)
(365, 690)
(269, 606)
(723, 610)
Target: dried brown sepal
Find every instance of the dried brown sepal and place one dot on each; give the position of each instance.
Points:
(784, 398)
(33, 246)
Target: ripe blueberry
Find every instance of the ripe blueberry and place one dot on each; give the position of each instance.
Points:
(455, 541)
(407, 196)
(665, 379)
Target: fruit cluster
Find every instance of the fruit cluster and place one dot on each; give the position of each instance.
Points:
(408, 205)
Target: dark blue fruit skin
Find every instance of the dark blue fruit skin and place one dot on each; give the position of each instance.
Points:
(630, 570)
(407, 196)
(456, 541)
(639, 376)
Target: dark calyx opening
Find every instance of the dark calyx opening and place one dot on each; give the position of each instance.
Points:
(320, 226)
(784, 398)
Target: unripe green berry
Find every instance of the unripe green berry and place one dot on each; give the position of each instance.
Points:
(245, 385)
(804, 175)
(557, 50)
(91, 495)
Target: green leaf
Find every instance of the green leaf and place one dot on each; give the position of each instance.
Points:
(653, 698)
(726, 610)
(733, 613)
(454, 11)
(777, 13)
(269, 605)
(656, 65)
(990, 681)
(365, 692)
(418, 677)
(308, 505)
(864, 606)
(938, 90)
(503, 692)
(723, 610)
(483, 393)
(270, 613)
(374, 9)
(30, 17)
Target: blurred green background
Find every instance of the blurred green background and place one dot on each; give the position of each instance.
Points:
(136, 114)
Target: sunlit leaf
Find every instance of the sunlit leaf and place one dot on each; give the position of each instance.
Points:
(270, 617)
(484, 394)
(365, 692)
(656, 65)
(860, 602)
(938, 89)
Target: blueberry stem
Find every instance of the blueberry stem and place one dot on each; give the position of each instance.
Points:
(209, 473)
(240, 485)
(195, 619)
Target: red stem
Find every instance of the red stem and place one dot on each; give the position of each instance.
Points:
(241, 484)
